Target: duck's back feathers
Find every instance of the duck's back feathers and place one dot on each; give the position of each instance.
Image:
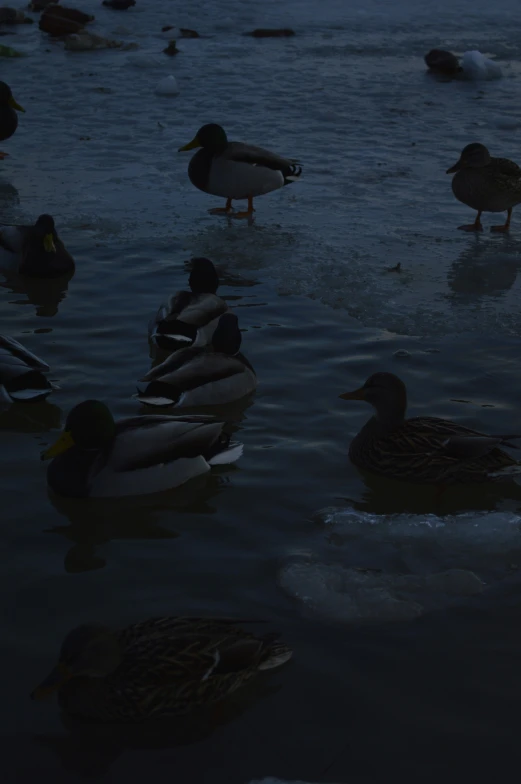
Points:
(258, 156)
(185, 318)
(198, 377)
(171, 666)
(430, 450)
(21, 373)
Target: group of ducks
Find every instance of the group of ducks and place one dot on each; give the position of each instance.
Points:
(239, 171)
(168, 666)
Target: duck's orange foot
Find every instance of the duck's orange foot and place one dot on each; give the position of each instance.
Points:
(471, 227)
(3, 155)
(502, 229)
(244, 214)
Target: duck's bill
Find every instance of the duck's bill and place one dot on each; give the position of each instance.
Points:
(63, 444)
(191, 145)
(54, 681)
(357, 394)
(15, 105)
(455, 168)
(48, 244)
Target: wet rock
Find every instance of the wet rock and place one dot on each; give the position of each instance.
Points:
(39, 5)
(119, 5)
(69, 13)
(441, 62)
(7, 51)
(11, 16)
(85, 42)
(58, 25)
(261, 32)
(171, 49)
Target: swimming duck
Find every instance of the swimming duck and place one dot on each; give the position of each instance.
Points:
(423, 449)
(190, 314)
(37, 250)
(441, 62)
(486, 184)
(21, 373)
(236, 170)
(157, 668)
(202, 375)
(8, 116)
(98, 457)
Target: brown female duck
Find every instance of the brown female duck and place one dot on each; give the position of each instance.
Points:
(157, 668)
(486, 184)
(423, 449)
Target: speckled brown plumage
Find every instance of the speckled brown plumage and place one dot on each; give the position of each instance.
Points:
(421, 449)
(169, 666)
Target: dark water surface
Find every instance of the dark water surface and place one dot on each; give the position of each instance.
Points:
(430, 699)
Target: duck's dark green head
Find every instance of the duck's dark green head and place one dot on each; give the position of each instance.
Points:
(227, 337)
(212, 137)
(90, 425)
(91, 651)
(203, 277)
(6, 98)
(44, 233)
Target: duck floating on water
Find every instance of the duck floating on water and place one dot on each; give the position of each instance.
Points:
(423, 449)
(37, 251)
(158, 668)
(202, 375)
(486, 184)
(8, 115)
(235, 170)
(96, 456)
(190, 314)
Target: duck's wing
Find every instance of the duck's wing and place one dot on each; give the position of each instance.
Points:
(427, 448)
(16, 359)
(146, 441)
(507, 168)
(202, 309)
(202, 367)
(14, 238)
(190, 650)
(258, 156)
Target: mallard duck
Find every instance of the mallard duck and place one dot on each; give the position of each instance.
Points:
(190, 314)
(202, 375)
(423, 449)
(8, 116)
(21, 373)
(441, 62)
(98, 457)
(157, 668)
(486, 184)
(236, 170)
(37, 250)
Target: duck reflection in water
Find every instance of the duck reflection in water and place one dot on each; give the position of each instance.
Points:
(484, 269)
(94, 523)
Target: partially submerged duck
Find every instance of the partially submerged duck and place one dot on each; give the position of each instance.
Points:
(158, 668)
(21, 374)
(8, 115)
(190, 314)
(235, 170)
(486, 184)
(442, 62)
(423, 449)
(202, 375)
(37, 250)
(96, 456)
